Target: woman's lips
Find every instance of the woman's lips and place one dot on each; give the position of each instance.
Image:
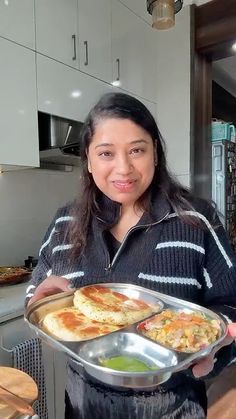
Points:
(124, 185)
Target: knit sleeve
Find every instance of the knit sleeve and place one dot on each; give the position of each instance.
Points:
(44, 265)
(219, 279)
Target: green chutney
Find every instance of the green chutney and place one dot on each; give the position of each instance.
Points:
(126, 363)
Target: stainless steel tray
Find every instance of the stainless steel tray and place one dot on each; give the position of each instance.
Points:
(127, 341)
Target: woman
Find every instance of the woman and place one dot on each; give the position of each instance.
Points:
(135, 224)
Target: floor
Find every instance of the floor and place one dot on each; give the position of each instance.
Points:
(222, 395)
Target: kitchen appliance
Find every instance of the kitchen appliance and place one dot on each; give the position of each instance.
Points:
(224, 185)
(31, 262)
(59, 140)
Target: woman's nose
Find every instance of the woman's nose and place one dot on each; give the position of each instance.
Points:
(123, 164)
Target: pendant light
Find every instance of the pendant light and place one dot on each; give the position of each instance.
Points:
(163, 12)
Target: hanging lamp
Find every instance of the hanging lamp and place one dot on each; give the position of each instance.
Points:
(163, 12)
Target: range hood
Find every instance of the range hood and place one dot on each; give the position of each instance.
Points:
(59, 141)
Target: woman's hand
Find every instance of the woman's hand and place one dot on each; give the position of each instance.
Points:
(51, 285)
(206, 365)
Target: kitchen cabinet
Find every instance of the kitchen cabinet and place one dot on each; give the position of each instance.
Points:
(17, 21)
(66, 92)
(104, 39)
(56, 30)
(18, 107)
(55, 378)
(133, 52)
(14, 332)
(139, 7)
(76, 33)
(152, 107)
(94, 19)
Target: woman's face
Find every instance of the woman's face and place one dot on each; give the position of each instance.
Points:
(121, 160)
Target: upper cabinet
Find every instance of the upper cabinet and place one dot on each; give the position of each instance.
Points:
(133, 52)
(104, 39)
(77, 33)
(95, 38)
(17, 21)
(65, 92)
(139, 7)
(18, 106)
(56, 30)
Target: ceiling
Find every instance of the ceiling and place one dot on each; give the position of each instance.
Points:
(224, 73)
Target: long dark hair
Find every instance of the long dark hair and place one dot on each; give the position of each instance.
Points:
(123, 106)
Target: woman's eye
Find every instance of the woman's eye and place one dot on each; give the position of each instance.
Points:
(105, 154)
(137, 151)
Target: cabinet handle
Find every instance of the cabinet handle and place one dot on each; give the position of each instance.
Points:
(74, 45)
(2, 348)
(86, 52)
(118, 69)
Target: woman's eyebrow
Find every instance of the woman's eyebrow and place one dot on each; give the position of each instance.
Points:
(139, 141)
(104, 145)
(131, 142)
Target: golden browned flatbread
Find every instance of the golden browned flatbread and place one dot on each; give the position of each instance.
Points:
(104, 305)
(69, 324)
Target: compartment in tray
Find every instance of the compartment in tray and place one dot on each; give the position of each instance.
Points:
(183, 329)
(138, 293)
(37, 312)
(160, 360)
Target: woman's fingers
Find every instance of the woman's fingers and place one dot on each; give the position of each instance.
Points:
(51, 285)
(203, 367)
(232, 330)
(39, 294)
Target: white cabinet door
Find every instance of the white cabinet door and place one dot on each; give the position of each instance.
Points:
(18, 106)
(16, 331)
(56, 30)
(17, 21)
(152, 107)
(66, 92)
(139, 7)
(133, 52)
(12, 333)
(95, 38)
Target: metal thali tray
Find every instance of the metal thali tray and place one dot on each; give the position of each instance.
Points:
(128, 341)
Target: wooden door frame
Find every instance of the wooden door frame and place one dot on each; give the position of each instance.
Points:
(214, 27)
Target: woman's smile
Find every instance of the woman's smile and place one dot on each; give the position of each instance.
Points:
(124, 185)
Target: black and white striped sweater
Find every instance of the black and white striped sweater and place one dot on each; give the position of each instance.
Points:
(162, 253)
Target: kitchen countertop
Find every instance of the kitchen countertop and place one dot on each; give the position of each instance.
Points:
(12, 301)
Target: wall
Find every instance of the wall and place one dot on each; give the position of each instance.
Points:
(173, 87)
(29, 199)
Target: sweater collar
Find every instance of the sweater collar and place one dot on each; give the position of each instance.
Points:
(109, 211)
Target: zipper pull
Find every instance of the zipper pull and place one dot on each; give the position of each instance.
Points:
(108, 268)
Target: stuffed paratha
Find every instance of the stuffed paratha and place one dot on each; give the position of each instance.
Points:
(69, 324)
(104, 305)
